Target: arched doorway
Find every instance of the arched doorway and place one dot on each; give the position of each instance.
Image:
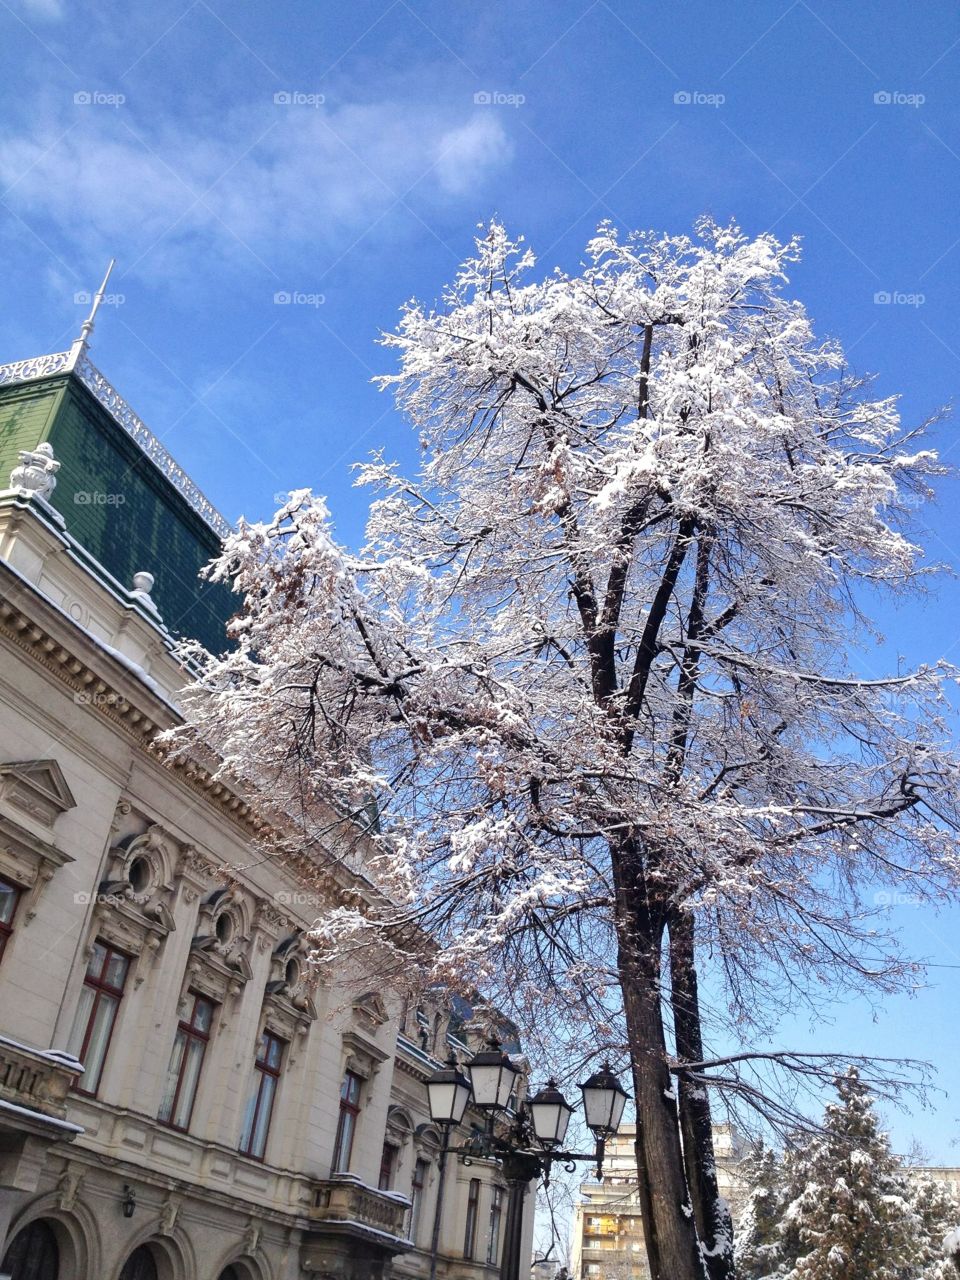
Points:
(141, 1265)
(229, 1273)
(33, 1253)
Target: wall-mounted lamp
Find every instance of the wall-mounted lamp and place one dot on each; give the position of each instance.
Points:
(129, 1202)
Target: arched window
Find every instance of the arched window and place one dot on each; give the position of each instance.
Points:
(33, 1254)
(229, 1273)
(141, 1265)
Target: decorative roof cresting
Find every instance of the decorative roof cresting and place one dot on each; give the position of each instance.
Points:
(124, 416)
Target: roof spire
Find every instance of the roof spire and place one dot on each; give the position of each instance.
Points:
(80, 344)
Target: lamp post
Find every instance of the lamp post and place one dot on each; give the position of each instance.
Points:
(448, 1092)
(533, 1138)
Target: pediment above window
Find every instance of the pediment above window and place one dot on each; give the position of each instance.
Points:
(370, 1012)
(37, 788)
(26, 858)
(363, 1056)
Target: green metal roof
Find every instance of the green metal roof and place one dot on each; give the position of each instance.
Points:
(129, 508)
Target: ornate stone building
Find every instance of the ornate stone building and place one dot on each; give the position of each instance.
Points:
(179, 1100)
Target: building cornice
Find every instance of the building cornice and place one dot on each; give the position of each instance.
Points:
(106, 687)
(111, 690)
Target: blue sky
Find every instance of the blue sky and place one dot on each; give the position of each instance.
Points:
(228, 153)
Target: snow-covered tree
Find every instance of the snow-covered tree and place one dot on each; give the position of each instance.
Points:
(594, 663)
(758, 1226)
(851, 1216)
(937, 1217)
(841, 1205)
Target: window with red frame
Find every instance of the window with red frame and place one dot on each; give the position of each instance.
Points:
(417, 1189)
(388, 1162)
(96, 1014)
(493, 1230)
(347, 1124)
(186, 1060)
(263, 1092)
(9, 897)
(473, 1210)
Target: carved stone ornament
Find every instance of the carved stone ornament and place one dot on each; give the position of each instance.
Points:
(142, 586)
(133, 900)
(168, 1215)
(68, 1187)
(36, 472)
(252, 1236)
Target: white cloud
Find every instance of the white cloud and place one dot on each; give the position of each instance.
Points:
(467, 154)
(270, 180)
(45, 10)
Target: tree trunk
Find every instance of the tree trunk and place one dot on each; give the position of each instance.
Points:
(711, 1212)
(673, 1251)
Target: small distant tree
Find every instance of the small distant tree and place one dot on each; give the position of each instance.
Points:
(841, 1206)
(758, 1228)
(937, 1214)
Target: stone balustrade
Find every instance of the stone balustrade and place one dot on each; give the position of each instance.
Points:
(37, 1079)
(348, 1200)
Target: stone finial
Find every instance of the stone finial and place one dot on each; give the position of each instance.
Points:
(142, 586)
(36, 472)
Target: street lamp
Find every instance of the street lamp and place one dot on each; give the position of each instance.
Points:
(492, 1077)
(550, 1114)
(604, 1099)
(533, 1139)
(448, 1092)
